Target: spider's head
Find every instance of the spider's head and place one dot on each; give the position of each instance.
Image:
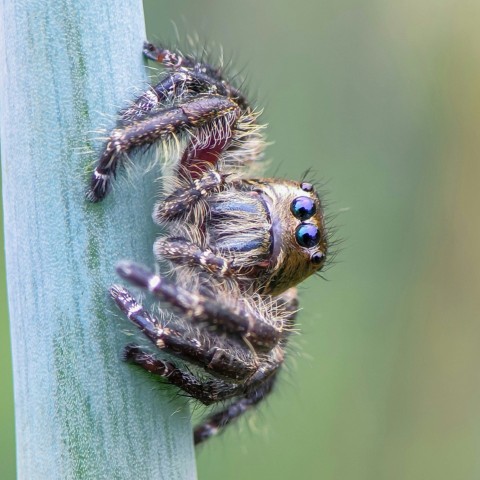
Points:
(272, 230)
(298, 235)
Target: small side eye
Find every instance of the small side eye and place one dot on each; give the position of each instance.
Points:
(317, 258)
(307, 235)
(303, 208)
(306, 187)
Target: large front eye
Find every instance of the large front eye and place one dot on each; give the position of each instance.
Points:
(307, 235)
(303, 208)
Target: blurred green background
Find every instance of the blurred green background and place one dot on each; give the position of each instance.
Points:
(382, 99)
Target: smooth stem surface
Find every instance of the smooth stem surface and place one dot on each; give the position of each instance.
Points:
(81, 413)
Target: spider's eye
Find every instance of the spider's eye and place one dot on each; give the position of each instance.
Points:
(307, 235)
(306, 187)
(303, 207)
(317, 258)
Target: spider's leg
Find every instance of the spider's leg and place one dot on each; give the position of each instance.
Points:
(192, 114)
(182, 252)
(238, 407)
(203, 71)
(174, 60)
(182, 199)
(175, 85)
(207, 351)
(199, 308)
(207, 392)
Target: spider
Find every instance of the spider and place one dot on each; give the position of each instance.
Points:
(237, 245)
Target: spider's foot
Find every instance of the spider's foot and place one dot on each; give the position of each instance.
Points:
(130, 352)
(99, 186)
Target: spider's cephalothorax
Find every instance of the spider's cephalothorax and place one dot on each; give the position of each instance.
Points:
(238, 245)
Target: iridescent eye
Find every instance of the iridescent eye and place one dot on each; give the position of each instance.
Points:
(317, 258)
(303, 207)
(306, 187)
(307, 235)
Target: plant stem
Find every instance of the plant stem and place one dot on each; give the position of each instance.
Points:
(81, 413)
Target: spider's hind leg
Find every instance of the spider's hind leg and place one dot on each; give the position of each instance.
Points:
(203, 71)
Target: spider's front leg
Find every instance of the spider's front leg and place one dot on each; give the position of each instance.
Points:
(187, 116)
(262, 335)
(208, 392)
(219, 420)
(209, 352)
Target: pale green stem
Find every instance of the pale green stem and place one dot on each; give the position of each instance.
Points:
(81, 413)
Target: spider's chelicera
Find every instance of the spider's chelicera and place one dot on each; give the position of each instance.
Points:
(238, 245)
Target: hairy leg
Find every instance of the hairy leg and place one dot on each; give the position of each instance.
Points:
(181, 200)
(263, 336)
(184, 117)
(182, 252)
(207, 392)
(214, 354)
(219, 420)
(204, 71)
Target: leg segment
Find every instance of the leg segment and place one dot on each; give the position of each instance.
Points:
(176, 85)
(182, 199)
(209, 352)
(198, 308)
(238, 407)
(207, 392)
(183, 252)
(192, 114)
(202, 70)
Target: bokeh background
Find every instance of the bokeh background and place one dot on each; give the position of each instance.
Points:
(382, 99)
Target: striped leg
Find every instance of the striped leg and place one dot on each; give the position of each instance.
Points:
(216, 422)
(203, 72)
(192, 114)
(181, 200)
(210, 352)
(207, 392)
(183, 252)
(263, 336)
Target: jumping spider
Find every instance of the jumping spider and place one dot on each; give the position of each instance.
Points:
(237, 245)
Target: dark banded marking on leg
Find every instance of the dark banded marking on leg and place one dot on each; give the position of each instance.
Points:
(195, 113)
(202, 71)
(207, 351)
(207, 392)
(182, 252)
(177, 84)
(198, 308)
(216, 422)
(181, 200)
